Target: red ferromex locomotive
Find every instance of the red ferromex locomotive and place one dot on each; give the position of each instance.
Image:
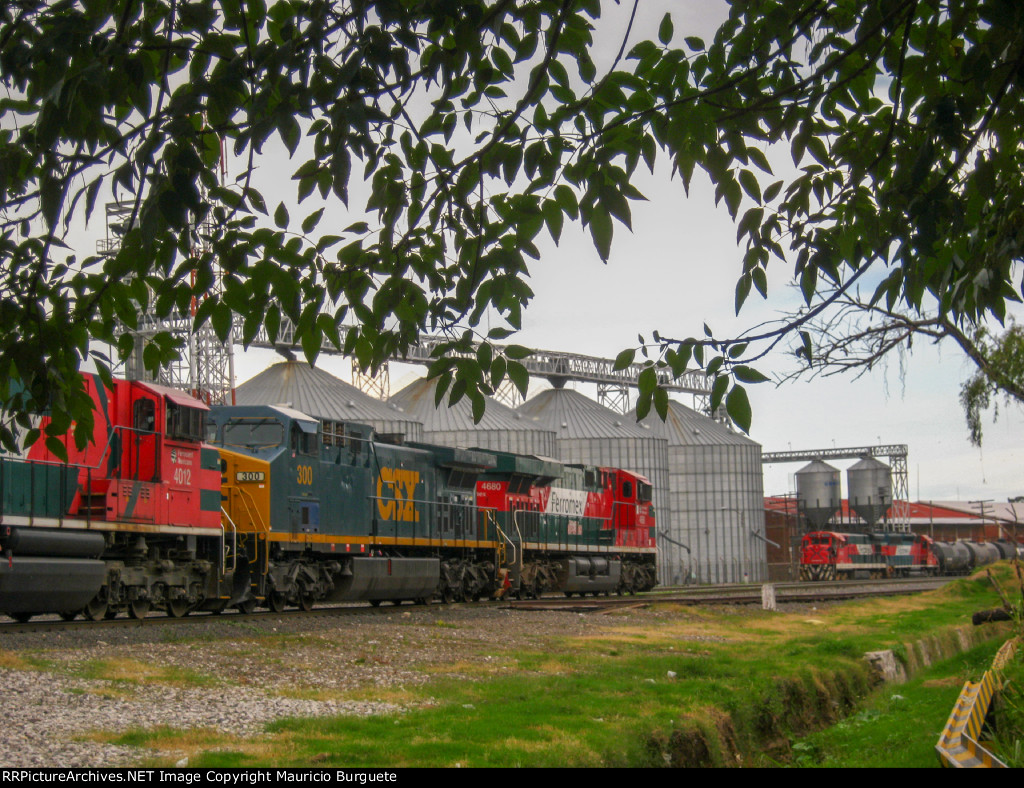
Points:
(829, 555)
(131, 520)
(596, 524)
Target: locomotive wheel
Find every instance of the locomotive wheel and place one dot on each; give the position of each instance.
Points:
(448, 595)
(305, 602)
(111, 613)
(138, 608)
(276, 602)
(177, 608)
(69, 615)
(96, 609)
(22, 618)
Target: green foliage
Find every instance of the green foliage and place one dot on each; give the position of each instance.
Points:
(1009, 713)
(1004, 372)
(898, 725)
(466, 130)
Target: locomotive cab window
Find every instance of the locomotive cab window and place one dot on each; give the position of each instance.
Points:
(627, 490)
(253, 433)
(184, 423)
(461, 480)
(303, 441)
(144, 415)
(644, 492)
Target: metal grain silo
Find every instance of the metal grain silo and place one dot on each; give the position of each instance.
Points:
(501, 428)
(591, 434)
(716, 497)
(321, 395)
(818, 493)
(869, 489)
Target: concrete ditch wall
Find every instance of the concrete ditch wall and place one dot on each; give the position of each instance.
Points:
(895, 666)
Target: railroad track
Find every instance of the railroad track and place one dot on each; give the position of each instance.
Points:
(53, 623)
(738, 594)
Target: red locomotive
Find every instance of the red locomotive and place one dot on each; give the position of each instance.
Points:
(131, 521)
(602, 518)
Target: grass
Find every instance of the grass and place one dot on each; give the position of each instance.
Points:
(1009, 717)
(898, 726)
(673, 686)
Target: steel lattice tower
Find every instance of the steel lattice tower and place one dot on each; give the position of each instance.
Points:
(206, 366)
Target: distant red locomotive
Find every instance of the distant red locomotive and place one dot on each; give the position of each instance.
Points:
(827, 555)
(908, 554)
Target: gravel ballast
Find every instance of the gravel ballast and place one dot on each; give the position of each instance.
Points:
(60, 688)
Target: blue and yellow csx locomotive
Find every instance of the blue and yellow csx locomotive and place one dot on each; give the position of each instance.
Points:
(346, 515)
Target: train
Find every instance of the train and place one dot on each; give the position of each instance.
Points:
(180, 507)
(830, 555)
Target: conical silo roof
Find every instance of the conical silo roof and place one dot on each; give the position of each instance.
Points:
(501, 428)
(319, 394)
(684, 426)
(573, 416)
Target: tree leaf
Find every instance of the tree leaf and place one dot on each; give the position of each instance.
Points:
(738, 407)
(281, 216)
(624, 359)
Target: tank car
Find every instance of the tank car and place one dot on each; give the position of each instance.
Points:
(954, 558)
(982, 553)
(1008, 549)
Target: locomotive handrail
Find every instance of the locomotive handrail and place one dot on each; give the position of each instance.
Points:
(246, 500)
(250, 506)
(515, 521)
(503, 535)
(103, 454)
(234, 545)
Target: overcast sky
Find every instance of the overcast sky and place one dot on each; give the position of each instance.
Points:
(677, 270)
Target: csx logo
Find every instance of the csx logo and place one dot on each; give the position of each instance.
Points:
(402, 486)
